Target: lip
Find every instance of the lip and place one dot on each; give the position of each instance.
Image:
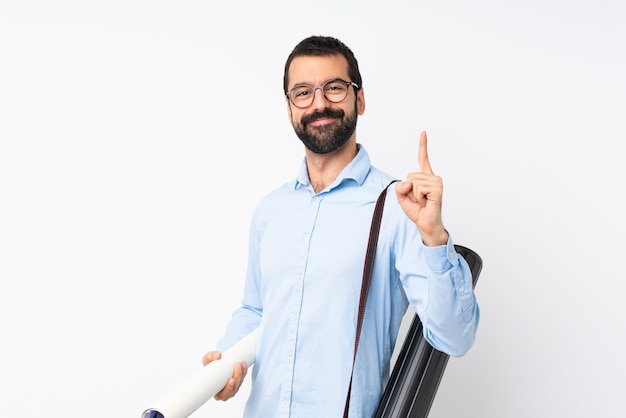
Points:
(322, 121)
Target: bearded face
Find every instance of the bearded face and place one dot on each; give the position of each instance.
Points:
(327, 137)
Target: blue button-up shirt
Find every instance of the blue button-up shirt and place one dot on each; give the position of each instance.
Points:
(302, 289)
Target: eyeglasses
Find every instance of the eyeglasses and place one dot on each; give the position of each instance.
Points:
(335, 90)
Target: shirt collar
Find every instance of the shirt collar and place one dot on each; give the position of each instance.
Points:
(356, 170)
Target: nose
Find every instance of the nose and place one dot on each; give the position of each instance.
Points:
(319, 100)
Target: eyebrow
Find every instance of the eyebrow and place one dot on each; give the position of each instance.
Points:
(311, 85)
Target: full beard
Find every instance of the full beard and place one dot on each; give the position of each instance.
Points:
(326, 138)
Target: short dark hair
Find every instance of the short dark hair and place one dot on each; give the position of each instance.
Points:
(324, 46)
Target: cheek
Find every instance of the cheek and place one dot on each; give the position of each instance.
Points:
(295, 118)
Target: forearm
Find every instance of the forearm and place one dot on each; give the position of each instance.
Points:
(451, 316)
(244, 320)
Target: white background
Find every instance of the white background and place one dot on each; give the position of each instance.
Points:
(137, 137)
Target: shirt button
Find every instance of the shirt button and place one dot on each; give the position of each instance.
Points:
(306, 235)
(450, 255)
(288, 359)
(299, 277)
(285, 403)
(293, 317)
(461, 289)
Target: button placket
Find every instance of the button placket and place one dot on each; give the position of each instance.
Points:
(296, 303)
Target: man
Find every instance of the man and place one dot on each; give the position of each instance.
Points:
(308, 240)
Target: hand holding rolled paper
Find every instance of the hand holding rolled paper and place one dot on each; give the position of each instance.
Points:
(234, 383)
(207, 383)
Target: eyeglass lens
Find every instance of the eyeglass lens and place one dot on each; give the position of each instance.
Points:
(334, 91)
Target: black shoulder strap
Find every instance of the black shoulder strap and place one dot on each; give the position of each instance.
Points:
(368, 268)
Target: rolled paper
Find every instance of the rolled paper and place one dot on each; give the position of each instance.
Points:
(196, 391)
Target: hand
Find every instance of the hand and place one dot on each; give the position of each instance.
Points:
(234, 383)
(420, 198)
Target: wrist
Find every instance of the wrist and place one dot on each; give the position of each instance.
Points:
(435, 239)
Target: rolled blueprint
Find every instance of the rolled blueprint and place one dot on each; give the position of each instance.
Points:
(192, 394)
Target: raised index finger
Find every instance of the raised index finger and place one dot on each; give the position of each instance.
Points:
(422, 155)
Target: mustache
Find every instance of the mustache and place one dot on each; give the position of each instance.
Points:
(326, 113)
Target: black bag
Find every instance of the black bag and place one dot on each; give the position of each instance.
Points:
(419, 367)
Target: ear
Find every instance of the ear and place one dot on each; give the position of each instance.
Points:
(360, 101)
(288, 109)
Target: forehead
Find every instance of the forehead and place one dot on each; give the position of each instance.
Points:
(315, 70)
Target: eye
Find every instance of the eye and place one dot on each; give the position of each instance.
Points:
(300, 92)
(336, 86)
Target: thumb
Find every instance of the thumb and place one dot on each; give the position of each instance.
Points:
(403, 187)
(404, 192)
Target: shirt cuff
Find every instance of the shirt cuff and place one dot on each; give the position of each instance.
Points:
(442, 257)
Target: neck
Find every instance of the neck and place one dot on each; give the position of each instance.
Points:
(324, 168)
